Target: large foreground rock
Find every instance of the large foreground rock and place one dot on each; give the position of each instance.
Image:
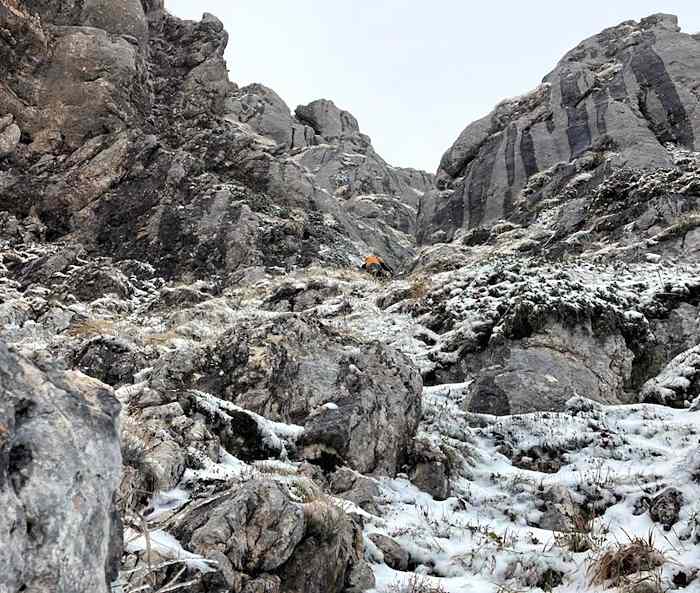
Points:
(59, 469)
(259, 536)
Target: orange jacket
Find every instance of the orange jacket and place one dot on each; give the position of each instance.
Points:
(371, 260)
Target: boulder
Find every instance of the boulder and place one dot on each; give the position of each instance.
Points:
(394, 555)
(359, 402)
(666, 507)
(59, 473)
(324, 561)
(356, 488)
(327, 120)
(95, 281)
(559, 511)
(431, 471)
(541, 372)
(253, 529)
(121, 17)
(112, 360)
(268, 115)
(263, 541)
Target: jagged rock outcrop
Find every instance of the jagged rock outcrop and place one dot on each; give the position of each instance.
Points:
(59, 470)
(120, 128)
(529, 336)
(614, 102)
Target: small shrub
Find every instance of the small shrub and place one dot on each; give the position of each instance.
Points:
(585, 536)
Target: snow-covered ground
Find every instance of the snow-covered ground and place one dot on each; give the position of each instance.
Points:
(536, 499)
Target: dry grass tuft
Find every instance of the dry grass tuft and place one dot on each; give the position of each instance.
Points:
(634, 558)
(585, 536)
(306, 490)
(92, 327)
(416, 584)
(161, 339)
(420, 287)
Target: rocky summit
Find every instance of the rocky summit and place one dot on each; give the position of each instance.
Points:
(202, 391)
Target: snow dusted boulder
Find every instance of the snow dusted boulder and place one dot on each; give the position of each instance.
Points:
(394, 555)
(665, 508)
(59, 470)
(678, 383)
(431, 468)
(358, 401)
(96, 280)
(241, 433)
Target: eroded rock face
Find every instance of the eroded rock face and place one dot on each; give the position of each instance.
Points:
(59, 472)
(625, 91)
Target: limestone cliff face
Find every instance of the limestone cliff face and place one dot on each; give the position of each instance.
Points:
(120, 129)
(617, 99)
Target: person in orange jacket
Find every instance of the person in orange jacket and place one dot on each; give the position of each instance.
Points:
(376, 266)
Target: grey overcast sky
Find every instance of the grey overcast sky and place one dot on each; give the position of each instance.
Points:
(413, 72)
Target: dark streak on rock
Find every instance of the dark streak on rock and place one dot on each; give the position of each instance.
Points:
(651, 73)
(600, 99)
(527, 153)
(511, 136)
(507, 203)
(482, 171)
(578, 130)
